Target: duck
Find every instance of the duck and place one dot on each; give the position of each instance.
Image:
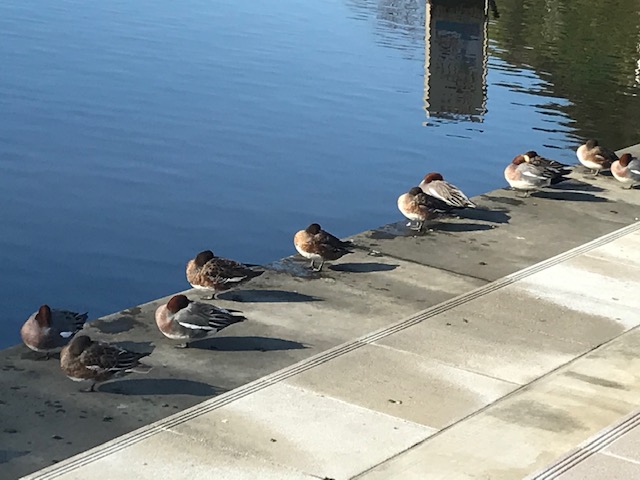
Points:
(186, 320)
(434, 185)
(419, 207)
(207, 272)
(318, 245)
(626, 170)
(83, 359)
(532, 158)
(50, 329)
(527, 177)
(595, 157)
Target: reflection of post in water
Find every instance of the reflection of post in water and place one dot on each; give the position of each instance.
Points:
(455, 67)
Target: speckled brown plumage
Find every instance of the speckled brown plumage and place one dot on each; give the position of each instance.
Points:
(84, 359)
(318, 245)
(206, 271)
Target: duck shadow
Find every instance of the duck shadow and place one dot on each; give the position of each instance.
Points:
(39, 357)
(267, 296)
(577, 185)
(485, 215)
(8, 455)
(365, 267)
(138, 347)
(568, 196)
(460, 227)
(247, 344)
(160, 386)
(513, 201)
(119, 325)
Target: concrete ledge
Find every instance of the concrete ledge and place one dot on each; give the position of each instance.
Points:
(341, 429)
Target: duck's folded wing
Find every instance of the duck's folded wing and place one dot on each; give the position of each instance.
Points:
(102, 357)
(222, 270)
(203, 316)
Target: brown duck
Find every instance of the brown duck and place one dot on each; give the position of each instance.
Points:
(50, 329)
(83, 359)
(208, 272)
(319, 246)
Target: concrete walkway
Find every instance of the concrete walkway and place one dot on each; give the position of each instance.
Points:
(492, 384)
(490, 381)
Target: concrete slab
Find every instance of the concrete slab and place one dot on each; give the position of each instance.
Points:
(527, 429)
(599, 466)
(170, 455)
(596, 289)
(509, 333)
(507, 233)
(306, 431)
(622, 251)
(404, 385)
(627, 447)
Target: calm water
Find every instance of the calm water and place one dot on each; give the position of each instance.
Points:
(136, 133)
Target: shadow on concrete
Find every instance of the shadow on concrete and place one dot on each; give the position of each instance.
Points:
(364, 267)
(568, 196)
(139, 347)
(577, 185)
(485, 215)
(504, 200)
(246, 344)
(118, 325)
(267, 296)
(8, 455)
(460, 227)
(159, 386)
(39, 357)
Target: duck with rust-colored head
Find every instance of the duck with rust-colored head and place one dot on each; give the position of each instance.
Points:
(217, 274)
(419, 207)
(627, 170)
(434, 185)
(526, 177)
(186, 320)
(595, 157)
(85, 360)
(50, 329)
(320, 246)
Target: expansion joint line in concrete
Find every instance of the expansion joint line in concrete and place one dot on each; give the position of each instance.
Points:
(595, 444)
(319, 359)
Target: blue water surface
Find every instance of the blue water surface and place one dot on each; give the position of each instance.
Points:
(135, 134)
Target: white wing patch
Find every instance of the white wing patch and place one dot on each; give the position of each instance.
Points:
(432, 191)
(195, 327)
(66, 334)
(531, 174)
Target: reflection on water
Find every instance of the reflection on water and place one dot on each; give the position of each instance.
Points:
(455, 67)
(589, 52)
(137, 133)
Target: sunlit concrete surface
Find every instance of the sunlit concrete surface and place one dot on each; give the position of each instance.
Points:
(508, 364)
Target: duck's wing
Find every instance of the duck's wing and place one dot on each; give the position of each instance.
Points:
(605, 154)
(539, 161)
(103, 357)
(67, 323)
(204, 316)
(326, 238)
(432, 203)
(222, 270)
(448, 193)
